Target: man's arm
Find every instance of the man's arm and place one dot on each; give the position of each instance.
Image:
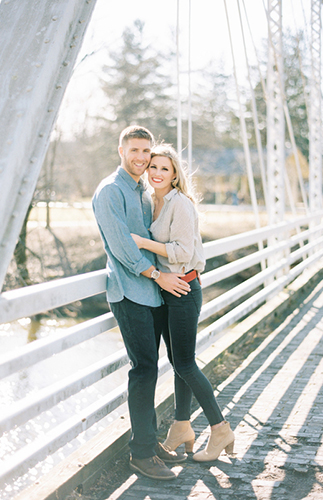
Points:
(171, 282)
(110, 214)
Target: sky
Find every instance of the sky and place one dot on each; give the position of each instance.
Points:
(209, 41)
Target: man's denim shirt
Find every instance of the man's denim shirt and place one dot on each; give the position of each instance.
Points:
(122, 206)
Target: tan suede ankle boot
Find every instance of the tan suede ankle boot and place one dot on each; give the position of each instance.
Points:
(180, 432)
(221, 438)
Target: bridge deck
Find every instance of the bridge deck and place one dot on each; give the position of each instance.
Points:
(274, 403)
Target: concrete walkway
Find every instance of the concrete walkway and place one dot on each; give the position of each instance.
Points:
(274, 402)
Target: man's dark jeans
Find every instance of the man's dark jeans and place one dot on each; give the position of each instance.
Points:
(136, 324)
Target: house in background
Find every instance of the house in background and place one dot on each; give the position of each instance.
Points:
(221, 176)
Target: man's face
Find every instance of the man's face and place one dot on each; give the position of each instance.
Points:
(135, 157)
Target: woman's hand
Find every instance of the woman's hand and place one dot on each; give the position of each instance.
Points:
(138, 240)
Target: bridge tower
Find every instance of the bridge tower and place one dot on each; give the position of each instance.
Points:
(315, 110)
(275, 116)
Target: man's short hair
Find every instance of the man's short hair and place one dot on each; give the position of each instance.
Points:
(135, 132)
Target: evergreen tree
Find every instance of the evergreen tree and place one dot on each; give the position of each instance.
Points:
(137, 90)
(211, 110)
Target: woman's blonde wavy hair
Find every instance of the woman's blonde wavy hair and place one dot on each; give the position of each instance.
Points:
(182, 181)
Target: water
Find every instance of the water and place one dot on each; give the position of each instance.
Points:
(59, 366)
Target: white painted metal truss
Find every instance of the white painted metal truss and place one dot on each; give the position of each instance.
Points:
(315, 111)
(302, 243)
(275, 116)
(39, 43)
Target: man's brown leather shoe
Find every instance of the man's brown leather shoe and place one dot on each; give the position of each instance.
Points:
(167, 455)
(152, 467)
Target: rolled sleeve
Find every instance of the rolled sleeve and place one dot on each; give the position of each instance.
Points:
(110, 212)
(180, 248)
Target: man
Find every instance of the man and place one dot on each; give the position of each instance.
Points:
(122, 206)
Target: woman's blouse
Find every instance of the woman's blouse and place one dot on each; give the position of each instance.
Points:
(178, 227)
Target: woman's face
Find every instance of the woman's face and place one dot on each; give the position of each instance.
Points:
(161, 173)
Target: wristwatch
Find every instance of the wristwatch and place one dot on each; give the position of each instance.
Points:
(155, 274)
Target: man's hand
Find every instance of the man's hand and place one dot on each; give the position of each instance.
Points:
(172, 283)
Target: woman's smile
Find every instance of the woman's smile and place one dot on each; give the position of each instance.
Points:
(161, 173)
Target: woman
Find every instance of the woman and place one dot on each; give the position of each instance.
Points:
(178, 245)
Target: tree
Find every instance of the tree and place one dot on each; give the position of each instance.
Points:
(137, 89)
(295, 85)
(211, 112)
(296, 88)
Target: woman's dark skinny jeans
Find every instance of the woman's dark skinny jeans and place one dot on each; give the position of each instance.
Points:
(178, 321)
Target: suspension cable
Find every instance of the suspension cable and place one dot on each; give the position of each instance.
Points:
(254, 114)
(244, 131)
(263, 85)
(179, 110)
(189, 96)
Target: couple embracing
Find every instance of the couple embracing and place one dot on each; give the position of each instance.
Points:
(155, 256)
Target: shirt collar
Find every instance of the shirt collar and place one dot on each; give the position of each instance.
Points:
(129, 180)
(170, 195)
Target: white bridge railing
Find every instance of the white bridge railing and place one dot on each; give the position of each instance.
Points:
(298, 243)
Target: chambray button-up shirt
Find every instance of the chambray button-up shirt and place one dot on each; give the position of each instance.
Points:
(122, 206)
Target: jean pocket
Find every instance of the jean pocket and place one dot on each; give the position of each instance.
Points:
(196, 299)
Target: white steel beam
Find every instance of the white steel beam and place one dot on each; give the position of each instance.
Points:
(315, 117)
(231, 296)
(255, 258)
(39, 43)
(248, 238)
(19, 463)
(28, 301)
(37, 402)
(217, 329)
(275, 116)
(32, 353)
(35, 299)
